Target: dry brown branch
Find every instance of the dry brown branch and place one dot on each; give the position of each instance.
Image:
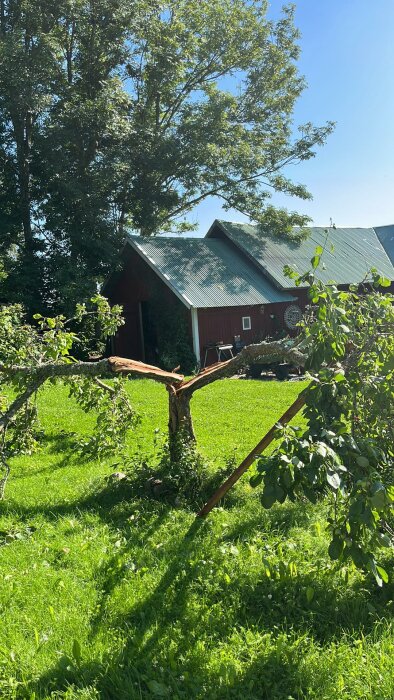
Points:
(295, 407)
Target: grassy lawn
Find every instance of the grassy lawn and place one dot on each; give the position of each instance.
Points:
(106, 594)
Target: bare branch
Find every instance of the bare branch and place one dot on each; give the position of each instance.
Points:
(4, 479)
(104, 386)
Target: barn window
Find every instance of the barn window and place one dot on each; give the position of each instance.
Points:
(246, 323)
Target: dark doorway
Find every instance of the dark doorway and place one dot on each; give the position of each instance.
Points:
(149, 333)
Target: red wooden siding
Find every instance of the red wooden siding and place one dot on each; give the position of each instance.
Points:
(137, 283)
(222, 324)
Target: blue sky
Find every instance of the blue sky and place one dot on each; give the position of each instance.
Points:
(348, 62)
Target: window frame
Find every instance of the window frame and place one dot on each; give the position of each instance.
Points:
(247, 319)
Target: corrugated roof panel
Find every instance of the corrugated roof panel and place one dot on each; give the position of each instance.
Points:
(386, 237)
(355, 251)
(207, 273)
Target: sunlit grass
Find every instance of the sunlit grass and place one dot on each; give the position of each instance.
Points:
(107, 595)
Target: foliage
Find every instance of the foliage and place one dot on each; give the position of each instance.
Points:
(181, 476)
(181, 480)
(115, 415)
(242, 606)
(117, 114)
(173, 340)
(50, 343)
(347, 448)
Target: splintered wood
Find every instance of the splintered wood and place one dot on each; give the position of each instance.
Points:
(125, 366)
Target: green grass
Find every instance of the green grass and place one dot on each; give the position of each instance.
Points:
(107, 595)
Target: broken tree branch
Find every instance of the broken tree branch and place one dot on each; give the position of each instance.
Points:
(267, 353)
(19, 402)
(180, 396)
(104, 368)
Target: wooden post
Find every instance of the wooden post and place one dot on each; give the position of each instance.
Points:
(252, 456)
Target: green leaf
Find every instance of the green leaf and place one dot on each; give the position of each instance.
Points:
(374, 569)
(362, 461)
(268, 497)
(310, 594)
(315, 261)
(383, 573)
(384, 539)
(335, 548)
(378, 496)
(333, 480)
(255, 480)
(76, 651)
(280, 494)
(321, 449)
(159, 690)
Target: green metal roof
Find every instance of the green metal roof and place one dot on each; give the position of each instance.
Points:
(355, 251)
(207, 273)
(386, 237)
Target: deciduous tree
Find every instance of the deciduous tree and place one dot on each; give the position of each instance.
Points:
(119, 114)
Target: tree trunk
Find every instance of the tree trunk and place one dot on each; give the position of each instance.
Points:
(180, 424)
(22, 128)
(2, 16)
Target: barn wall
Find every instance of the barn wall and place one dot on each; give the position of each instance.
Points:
(222, 324)
(137, 283)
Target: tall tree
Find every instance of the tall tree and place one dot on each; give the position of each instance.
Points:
(119, 114)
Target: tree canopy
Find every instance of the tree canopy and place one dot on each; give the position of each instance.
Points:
(120, 115)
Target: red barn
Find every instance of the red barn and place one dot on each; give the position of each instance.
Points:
(199, 294)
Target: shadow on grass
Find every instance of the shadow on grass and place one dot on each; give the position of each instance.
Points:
(167, 642)
(62, 443)
(279, 519)
(167, 648)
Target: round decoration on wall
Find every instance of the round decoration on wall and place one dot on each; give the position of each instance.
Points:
(292, 316)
